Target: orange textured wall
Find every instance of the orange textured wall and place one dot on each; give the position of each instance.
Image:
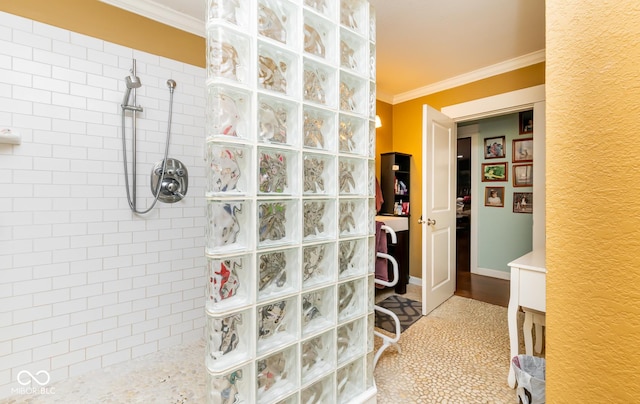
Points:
(593, 221)
(100, 20)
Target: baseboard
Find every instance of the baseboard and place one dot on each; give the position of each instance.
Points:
(415, 281)
(493, 273)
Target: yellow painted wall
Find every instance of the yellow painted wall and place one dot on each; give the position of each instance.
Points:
(384, 139)
(100, 20)
(593, 194)
(407, 132)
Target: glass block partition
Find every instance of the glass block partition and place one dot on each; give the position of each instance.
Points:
(290, 247)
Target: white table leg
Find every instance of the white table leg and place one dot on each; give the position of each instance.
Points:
(512, 319)
(539, 322)
(526, 330)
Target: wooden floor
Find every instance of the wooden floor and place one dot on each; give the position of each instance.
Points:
(478, 287)
(483, 288)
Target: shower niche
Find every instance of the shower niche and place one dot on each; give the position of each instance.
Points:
(289, 154)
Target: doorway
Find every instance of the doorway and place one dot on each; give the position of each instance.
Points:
(501, 104)
(470, 285)
(463, 206)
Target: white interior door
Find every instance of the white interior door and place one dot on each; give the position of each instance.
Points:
(438, 218)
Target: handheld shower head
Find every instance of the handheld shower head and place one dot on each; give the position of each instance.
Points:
(131, 82)
(171, 84)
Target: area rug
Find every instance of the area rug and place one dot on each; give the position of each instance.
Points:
(408, 312)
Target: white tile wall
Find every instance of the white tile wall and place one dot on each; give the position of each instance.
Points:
(84, 283)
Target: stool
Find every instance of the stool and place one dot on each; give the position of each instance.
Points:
(531, 318)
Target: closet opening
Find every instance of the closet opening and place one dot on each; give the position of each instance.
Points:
(463, 208)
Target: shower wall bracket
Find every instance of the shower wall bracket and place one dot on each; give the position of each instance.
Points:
(173, 184)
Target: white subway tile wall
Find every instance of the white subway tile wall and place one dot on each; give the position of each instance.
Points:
(84, 283)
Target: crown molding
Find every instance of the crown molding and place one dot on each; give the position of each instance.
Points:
(384, 97)
(162, 14)
(480, 74)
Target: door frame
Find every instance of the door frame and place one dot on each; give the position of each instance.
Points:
(501, 104)
(495, 105)
(470, 131)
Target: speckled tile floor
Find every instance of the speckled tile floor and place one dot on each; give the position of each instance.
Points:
(172, 376)
(457, 354)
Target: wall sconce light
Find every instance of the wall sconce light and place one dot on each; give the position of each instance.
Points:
(378, 122)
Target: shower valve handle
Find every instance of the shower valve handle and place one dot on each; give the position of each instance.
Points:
(172, 187)
(175, 180)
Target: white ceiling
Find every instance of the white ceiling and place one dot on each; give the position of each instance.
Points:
(422, 46)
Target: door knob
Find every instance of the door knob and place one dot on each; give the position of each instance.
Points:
(420, 221)
(431, 222)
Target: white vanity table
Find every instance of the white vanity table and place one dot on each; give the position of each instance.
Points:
(528, 290)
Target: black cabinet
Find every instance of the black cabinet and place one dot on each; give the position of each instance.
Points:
(400, 251)
(395, 182)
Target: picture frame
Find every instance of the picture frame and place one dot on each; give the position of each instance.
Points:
(522, 175)
(494, 197)
(522, 150)
(495, 172)
(526, 122)
(523, 202)
(494, 147)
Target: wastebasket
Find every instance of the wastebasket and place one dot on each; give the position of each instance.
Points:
(529, 371)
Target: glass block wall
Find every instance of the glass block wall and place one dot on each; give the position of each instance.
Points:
(290, 192)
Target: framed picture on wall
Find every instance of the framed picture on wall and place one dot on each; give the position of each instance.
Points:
(494, 147)
(494, 197)
(526, 122)
(522, 175)
(494, 172)
(522, 150)
(523, 202)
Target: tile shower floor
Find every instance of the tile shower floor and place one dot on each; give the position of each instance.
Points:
(173, 376)
(467, 365)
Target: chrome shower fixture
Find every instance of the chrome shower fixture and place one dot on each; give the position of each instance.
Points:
(171, 84)
(173, 179)
(169, 178)
(132, 82)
